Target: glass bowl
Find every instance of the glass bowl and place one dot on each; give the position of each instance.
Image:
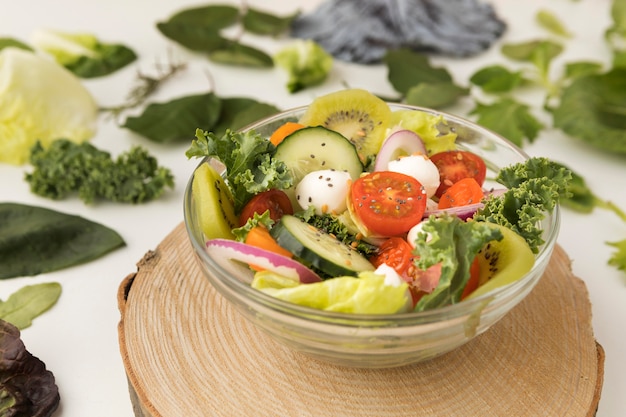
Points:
(376, 341)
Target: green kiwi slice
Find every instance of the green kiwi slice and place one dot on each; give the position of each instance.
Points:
(503, 262)
(357, 114)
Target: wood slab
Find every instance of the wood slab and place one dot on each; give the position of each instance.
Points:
(187, 352)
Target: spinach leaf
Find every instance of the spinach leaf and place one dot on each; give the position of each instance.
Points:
(29, 302)
(235, 53)
(176, 119)
(34, 240)
(262, 23)
(237, 112)
(496, 79)
(593, 108)
(108, 59)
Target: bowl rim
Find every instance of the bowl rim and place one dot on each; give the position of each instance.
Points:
(450, 312)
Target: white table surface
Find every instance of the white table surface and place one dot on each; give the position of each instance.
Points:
(77, 338)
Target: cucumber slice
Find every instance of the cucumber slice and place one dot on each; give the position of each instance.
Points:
(315, 148)
(318, 249)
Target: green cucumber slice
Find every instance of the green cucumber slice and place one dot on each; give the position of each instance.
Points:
(318, 249)
(315, 148)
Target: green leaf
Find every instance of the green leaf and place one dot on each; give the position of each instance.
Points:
(539, 52)
(235, 53)
(262, 23)
(582, 68)
(237, 112)
(214, 17)
(616, 33)
(34, 240)
(193, 37)
(408, 69)
(10, 42)
(510, 119)
(176, 119)
(434, 95)
(593, 108)
(29, 302)
(496, 79)
(618, 259)
(553, 24)
(109, 58)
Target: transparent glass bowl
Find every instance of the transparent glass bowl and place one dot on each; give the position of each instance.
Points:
(376, 341)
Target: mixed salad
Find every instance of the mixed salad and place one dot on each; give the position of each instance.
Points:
(356, 208)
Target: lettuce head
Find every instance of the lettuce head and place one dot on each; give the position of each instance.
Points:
(40, 101)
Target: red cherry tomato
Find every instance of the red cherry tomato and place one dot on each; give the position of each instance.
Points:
(276, 201)
(388, 203)
(461, 193)
(455, 165)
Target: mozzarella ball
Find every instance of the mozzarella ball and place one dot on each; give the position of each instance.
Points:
(419, 167)
(411, 236)
(325, 190)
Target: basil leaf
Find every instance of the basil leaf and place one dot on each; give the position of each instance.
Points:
(434, 95)
(7, 42)
(510, 119)
(262, 23)
(540, 53)
(408, 69)
(176, 119)
(496, 79)
(550, 22)
(592, 108)
(193, 37)
(232, 108)
(198, 28)
(34, 240)
(581, 69)
(29, 302)
(235, 53)
(108, 59)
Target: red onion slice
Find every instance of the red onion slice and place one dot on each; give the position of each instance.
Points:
(399, 143)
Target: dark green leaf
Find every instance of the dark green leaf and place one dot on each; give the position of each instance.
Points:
(29, 302)
(434, 95)
(27, 388)
(108, 59)
(176, 119)
(7, 42)
(238, 110)
(34, 240)
(593, 108)
(508, 118)
(582, 68)
(408, 69)
(540, 53)
(496, 79)
(263, 23)
(235, 53)
(619, 59)
(195, 38)
(214, 17)
(550, 22)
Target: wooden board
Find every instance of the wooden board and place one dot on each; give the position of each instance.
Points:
(187, 352)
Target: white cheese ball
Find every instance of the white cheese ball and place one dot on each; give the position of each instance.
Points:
(419, 167)
(326, 190)
(411, 236)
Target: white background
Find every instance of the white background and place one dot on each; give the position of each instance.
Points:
(77, 339)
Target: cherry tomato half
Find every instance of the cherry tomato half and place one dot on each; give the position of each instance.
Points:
(276, 201)
(461, 193)
(455, 165)
(388, 203)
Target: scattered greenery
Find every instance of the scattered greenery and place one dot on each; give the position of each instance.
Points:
(29, 302)
(37, 240)
(552, 23)
(306, 63)
(200, 29)
(65, 168)
(14, 43)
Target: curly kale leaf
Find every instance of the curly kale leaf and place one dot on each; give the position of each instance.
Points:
(26, 387)
(66, 167)
(534, 189)
(247, 156)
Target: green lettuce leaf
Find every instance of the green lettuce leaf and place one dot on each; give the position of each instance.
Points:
(366, 294)
(306, 63)
(454, 243)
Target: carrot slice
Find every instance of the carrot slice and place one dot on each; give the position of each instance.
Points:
(461, 193)
(260, 237)
(283, 131)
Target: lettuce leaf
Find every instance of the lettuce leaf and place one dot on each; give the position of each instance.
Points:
(454, 243)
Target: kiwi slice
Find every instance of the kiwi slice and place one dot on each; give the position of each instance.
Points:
(503, 262)
(357, 114)
(213, 203)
